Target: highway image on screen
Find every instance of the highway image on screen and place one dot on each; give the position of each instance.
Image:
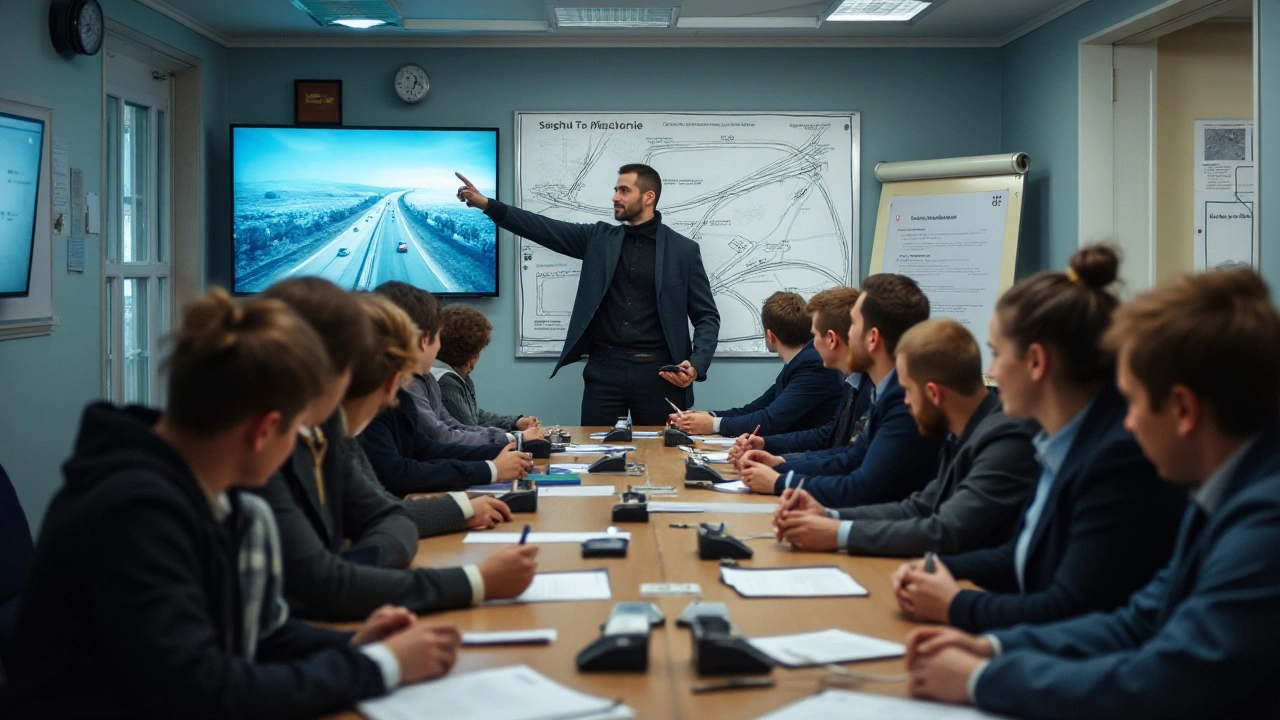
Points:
(361, 207)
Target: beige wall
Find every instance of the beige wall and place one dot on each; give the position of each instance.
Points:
(1203, 72)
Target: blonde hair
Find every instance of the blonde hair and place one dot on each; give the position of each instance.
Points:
(231, 361)
(395, 349)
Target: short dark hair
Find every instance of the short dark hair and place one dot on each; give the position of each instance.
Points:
(1067, 311)
(465, 332)
(830, 310)
(1216, 333)
(784, 315)
(646, 179)
(892, 304)
(334, 313)
(422, 307)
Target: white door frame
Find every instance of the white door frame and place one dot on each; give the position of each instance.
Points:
(1116, 145)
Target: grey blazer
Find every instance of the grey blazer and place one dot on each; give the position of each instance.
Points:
(984, 478)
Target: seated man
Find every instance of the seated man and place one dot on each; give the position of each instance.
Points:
(436, 421)
(829, 324)
(986, 468)
(345, 544)
(1199, 363)
(889, 459)
(805, 395)
(466, 332)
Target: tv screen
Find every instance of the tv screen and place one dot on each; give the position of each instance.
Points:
(361, 206)
(21, 143)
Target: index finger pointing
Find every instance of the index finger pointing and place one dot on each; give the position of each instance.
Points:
(464, 180)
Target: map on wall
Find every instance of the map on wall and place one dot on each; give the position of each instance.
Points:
(771, 198)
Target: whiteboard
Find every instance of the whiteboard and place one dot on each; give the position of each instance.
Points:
(957, 238)
(771, 198)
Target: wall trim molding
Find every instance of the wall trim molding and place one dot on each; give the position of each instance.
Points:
(186, 20)
(1040, 22)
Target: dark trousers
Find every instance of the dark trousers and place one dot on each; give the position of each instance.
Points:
(616, 384)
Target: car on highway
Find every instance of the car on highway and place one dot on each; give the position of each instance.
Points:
(355, 229)
(402, 247)
(343, 252)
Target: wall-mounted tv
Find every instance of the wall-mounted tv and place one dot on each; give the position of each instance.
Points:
(21, 145)
(360, 206)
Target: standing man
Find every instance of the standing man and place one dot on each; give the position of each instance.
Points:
(641, 285)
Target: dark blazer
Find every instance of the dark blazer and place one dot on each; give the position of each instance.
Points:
(888, 461)
(684, 292)
(1106, 528)
(984, 478)
(322, 577)
(133, 608)
(407, 461)
(804, 396)
(850, 414)
(1198, 641)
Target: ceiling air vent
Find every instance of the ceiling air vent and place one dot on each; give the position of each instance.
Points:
(614, 17)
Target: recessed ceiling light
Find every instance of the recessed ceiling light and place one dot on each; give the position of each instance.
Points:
(614, 17)
(877, 10)
(360, 23)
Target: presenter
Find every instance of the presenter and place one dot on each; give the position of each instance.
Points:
(641, 285)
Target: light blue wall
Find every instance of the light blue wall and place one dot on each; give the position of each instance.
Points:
(45, 381)
(914, 103)
(1268, 24)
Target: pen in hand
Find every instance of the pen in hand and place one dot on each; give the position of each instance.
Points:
(929, 561)
(674, 406)
(795, 496)
(525, 535)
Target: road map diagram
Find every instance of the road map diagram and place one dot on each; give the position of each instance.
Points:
(769, 197)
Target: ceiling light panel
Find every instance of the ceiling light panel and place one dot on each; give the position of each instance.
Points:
(344, 12)
(878, 10)
(614, 17)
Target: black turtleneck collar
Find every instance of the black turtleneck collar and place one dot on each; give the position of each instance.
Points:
(648, 228)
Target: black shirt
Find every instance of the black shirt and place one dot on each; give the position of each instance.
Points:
(628, 315)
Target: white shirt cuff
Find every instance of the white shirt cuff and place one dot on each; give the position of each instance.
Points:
(833, 513)
(715, 425)
(386, 662)
(996, 648)
(493, 471)
(477, 583)
(511, 437)
(971, 687)
(464, 503)
(842, 539)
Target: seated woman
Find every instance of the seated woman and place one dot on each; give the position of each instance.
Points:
(465, 333)
(1100, 522)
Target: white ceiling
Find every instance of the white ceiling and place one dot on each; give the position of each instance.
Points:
(251, 23)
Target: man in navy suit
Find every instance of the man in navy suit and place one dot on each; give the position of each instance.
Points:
(1199, 364)
(805, 394)
(641, 285)
(889, 459)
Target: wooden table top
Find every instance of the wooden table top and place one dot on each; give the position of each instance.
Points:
(660, 553)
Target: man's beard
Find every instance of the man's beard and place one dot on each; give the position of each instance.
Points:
(930, 420)
(627, 213)
(858, 360)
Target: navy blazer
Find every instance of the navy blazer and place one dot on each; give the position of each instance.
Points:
(407, 461)
(805, 395)
(843, 427)
(1198, 641)
(684, 292)
(1108, 525)
(888, 461)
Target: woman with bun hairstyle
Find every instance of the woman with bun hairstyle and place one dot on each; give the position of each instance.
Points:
(1100, 522)
(155, 588)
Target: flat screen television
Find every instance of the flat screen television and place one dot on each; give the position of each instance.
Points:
(21, 146)
(361, 206)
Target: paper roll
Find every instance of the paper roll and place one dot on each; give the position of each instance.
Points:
(1005, 164)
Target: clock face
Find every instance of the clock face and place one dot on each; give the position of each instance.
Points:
(412, 83)
(88, 28)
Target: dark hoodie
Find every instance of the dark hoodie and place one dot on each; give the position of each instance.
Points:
(133, 604)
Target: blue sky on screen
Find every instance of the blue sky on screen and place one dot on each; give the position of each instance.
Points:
(419, 159)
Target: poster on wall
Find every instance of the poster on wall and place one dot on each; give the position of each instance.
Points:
(1224, 192)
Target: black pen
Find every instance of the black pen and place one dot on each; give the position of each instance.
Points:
(525, 535)
(929, 559)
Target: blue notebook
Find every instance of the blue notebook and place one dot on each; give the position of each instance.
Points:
(556, 479)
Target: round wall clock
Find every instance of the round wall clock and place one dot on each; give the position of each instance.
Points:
(412, 83)
(76, 26)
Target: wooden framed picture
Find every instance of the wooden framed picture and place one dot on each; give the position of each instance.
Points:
(317, 102)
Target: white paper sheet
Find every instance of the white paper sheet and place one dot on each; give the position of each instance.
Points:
(845, 704)
(826, 646)
(596, 449)
(536, 538)
(578, 491)
(635, 434)
(827, 581)
(563, 587)
(737, 486)
(718, 441)
(713, 507)
(568, 468)
(510, 637)
(510, 693)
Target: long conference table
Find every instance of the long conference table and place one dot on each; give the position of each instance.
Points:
(659, 553)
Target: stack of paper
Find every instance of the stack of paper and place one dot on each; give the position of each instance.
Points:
(485, 537)
(564, 587)
(509, 637)
(510, 693)
(822, 581)
(825, 647)
(844, 704)
(635, 434)
(712, 440)
(711, 507)
(590, 449)
(579, 491)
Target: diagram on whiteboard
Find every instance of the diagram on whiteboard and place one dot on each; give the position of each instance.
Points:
(769, 197)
